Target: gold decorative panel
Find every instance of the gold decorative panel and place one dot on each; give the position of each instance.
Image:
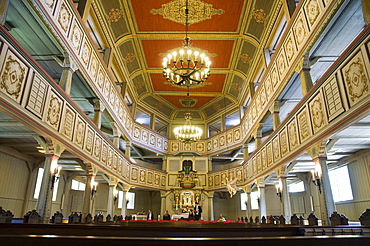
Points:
(259, 162)
(102, 80)
(107, 89)
(157, 180)
(217, 180)
(223, 178)
(222, 140)
(274, 76)
(304, 124)
(293, 134)
(76, 36)
(68, 121)
(318, 113)
(79, 132)
(89, 140)
(281, 63)
(94, 66)
(110, 158)
(198, 11)
(229, 137)
(300, 30)
(120, 165)
(13, 76)
(284, 146)
(64, 17)
(254, 166)
(356, 79)
(134, 174)
(150, 177)
(200, 147)
(210, 181)
(53, 110)
(237, 134)
(163, 181)
(115, 163)
(97, 147)
(151, 139)
(334, 104)
(270, 154)
(86, 53)
(290, 48)
(144, 136)
(264, 158)
(37, 95)
(215, 143)
(276, 147)
(209, 145)
(313, 10)
(104, 152)
(268, 86)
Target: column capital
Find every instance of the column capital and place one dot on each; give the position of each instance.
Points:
(304, 64)
(98, 106)
(281, 171)
(68, 63)
(246, 188)
(318, 149)
(260, 182)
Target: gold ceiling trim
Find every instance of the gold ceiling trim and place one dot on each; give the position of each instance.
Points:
(198, 11)
(194, 36)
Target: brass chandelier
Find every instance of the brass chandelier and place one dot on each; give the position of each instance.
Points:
(187, 132)
(186, 67)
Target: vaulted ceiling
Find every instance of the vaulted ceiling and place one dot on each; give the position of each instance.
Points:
(232, 33)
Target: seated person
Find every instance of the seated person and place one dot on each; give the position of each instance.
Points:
(166, 216)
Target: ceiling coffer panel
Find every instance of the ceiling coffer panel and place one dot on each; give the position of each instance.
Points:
(129, 56)
(259, 16)
(217, 106)
(236, 86)
(140, 85)
(246, 57)
(180, 115)
(158, 106)
(116, 17)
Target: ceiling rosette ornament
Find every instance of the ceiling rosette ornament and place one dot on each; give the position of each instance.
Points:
(198, 11)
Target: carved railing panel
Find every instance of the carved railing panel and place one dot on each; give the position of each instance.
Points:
(33, 98)
(339, 98)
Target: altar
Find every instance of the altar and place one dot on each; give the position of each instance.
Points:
(179, 216)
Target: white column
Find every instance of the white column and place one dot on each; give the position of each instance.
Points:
(287, 211)
(211, 215)
(87, 196)
(124, 204)
(262, 200)
(111, 197)
(249, 202)
(327, 204)
(46, 191)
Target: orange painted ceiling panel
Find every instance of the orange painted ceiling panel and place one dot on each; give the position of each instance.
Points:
(228, 21)
(222, 49)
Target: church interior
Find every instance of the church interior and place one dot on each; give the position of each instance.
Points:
(246, 112)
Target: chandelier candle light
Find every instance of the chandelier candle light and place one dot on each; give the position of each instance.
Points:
(187, 132)
(186, 67)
